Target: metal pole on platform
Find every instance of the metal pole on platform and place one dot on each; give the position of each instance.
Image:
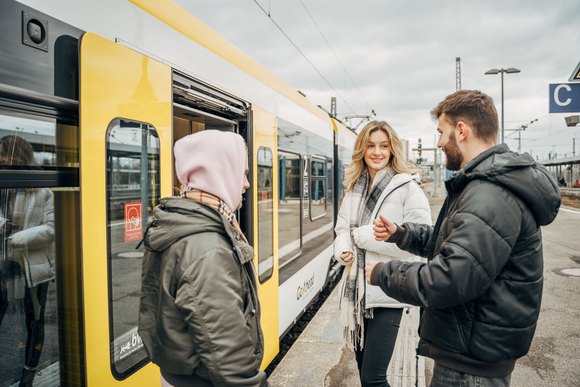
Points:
(502, 109)
(435, 167)
(510, 70)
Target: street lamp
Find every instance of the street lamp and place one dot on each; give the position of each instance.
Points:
(511, 70)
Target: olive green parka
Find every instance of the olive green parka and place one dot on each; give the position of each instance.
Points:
(199, 313)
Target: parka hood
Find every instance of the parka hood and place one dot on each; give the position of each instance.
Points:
(212, 161)
(175, 218)
(519, 174)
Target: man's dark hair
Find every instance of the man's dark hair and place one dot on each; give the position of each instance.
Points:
(474, 108)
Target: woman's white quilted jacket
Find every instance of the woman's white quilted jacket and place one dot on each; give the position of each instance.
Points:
(402, 201)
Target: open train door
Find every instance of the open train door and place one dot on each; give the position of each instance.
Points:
(265, 178)
(125, 158)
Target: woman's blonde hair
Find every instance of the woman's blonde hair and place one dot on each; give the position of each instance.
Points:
(358, 165)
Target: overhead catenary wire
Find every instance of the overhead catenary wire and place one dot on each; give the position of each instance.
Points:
(336, 56)
(305, 57)
(550, 135)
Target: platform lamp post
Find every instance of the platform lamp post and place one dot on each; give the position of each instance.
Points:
(511, 70)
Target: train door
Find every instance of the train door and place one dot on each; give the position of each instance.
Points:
(264, 160)
(125, 158)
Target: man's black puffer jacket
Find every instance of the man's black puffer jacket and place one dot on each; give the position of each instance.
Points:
(482, 286)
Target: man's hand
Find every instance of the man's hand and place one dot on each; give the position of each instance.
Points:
(369, 269)
(346, 256)
(383, 228)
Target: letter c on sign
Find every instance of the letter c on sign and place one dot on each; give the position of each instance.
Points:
(557, 100)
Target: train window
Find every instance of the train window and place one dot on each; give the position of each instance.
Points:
(52, 142)
(40, 313)
(289, 215)
(317, 188)
(265, 214)
(132, 193)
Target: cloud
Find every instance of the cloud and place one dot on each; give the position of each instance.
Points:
(402, 55)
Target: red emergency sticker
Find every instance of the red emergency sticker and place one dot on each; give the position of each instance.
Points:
(133, 222)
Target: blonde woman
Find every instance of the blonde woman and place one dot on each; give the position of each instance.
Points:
(379, 182)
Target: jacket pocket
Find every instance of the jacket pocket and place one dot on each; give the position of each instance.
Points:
(441, 327)
(464, 323)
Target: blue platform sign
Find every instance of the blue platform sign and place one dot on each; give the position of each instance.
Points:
(565, 98)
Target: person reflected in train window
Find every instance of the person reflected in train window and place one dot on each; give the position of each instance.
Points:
(379, 181)
(481, 287)
(27, 255)
(199, 314)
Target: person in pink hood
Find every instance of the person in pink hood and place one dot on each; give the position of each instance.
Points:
(214, 162)
(199, 315)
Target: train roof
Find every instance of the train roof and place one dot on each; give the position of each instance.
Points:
(561, 161)
(344, 130)
(184, 22)
(166, 32)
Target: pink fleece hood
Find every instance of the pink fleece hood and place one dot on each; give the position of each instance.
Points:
(212, 161)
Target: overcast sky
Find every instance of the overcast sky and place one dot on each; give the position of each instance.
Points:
(401, 56)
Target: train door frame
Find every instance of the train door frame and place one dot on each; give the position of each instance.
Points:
(115, 82)
(265, 135)
(204, 99)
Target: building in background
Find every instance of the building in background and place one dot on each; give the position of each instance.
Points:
(405, 149)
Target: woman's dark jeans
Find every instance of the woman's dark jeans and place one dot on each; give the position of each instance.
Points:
(380, 337)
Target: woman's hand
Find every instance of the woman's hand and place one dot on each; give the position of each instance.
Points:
(383, 228)
(346, 256)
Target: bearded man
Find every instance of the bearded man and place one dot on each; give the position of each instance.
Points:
(481, 289)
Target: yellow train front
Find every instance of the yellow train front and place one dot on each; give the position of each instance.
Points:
(98, 113)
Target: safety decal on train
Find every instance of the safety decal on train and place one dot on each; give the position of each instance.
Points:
(133, 222)
(305, 288)
(127, 344)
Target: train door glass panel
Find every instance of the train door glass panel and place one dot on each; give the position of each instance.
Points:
(265, 214)
(289, 215)
(132, 193)
(317, 188)
(39, 250)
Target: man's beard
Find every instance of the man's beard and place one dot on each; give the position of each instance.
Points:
(453, 154)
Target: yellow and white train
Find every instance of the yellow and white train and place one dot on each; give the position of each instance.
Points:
(100, 91)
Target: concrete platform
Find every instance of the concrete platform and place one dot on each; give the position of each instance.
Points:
(317, 358)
